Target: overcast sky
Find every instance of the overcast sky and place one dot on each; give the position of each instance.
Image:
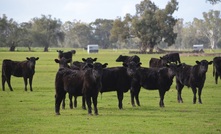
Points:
(90, 10)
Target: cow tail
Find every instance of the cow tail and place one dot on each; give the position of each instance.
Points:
(101, 95)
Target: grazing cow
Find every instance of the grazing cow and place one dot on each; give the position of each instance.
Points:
(127, 59)
(192, 76)
(66, 55)
(151, 79)
(25, 69)
(172, 57)
(217, 68)
(157, 63)
(79, 82)
(116, 79)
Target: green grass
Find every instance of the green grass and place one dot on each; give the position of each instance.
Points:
(33, 112)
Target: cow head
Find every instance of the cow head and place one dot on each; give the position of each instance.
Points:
(173, 69)
(32, 61)
(120, 58)
(89, 60)
(60, 54)
(132, 67)
(97, 69)
(63, 63)
(203, 65)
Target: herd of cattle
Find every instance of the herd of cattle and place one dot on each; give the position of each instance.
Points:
(89, 77)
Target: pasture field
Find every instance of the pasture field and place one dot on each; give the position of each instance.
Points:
(33, 112)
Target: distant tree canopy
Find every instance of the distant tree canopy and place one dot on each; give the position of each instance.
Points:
(214, 1)
(149, 27)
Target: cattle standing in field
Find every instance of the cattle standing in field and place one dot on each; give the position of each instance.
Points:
(79, 82)
(157, 63)
(66, 55)
(217, 68)
(116, 79)
(63, 63)
(172, 57)
(152, 79)
(25, 69)
(127, 59)
(192, 76)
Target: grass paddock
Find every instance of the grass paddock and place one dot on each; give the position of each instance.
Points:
(33, 112)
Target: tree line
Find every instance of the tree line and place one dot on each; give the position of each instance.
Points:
(148, 28)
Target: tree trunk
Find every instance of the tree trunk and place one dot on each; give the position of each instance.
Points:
(46, 49)
(12, 48)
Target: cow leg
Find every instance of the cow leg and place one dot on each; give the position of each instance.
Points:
(216, 78)
(30, 83)
(8, 80)
(161, 93)
(132, 98)
(137, 98)
(26, 83)
(95, 105)
(3, 82)
(58, 99)
(83, 103)
(88, 100)
(70, 101)
(199, 95)
(194, 94)
(135, 93)
(63, 102)
(120, 96)
(179, 88)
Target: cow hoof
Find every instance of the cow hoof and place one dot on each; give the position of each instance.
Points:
(58, 114)
(90, 114)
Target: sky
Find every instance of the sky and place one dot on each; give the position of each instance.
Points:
(90, 10)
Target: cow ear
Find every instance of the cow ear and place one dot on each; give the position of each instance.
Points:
(83, 59)
(139, 64)
(37, 58)
(197, 62)
(210, 62)
(95, 59)
(104, 65)
(27, 58)
(56, 60)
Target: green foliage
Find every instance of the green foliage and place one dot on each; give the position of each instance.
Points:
(33, 112)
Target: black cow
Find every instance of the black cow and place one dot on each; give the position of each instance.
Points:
(152, 79)
(116, 79)
(127, 59)
(192, 76)
(79, 82)
(66, 55)
(63, 62)
(172, 57)
(25, 69)
(80, 65)
(157, 63)
(217, 68)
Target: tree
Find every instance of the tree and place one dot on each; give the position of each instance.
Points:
(210, 27)
(47, 31)
(10, 32)
(101, 31)
(153, 25)
(214, 1)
